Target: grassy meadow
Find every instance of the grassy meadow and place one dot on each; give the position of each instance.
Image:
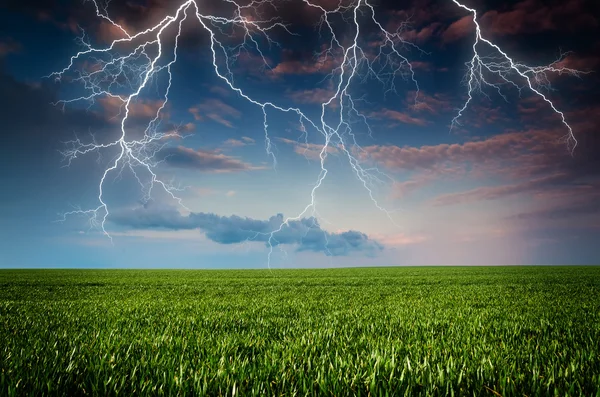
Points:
(477, 331)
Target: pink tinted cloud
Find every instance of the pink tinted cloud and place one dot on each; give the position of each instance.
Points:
(418, 105)
(311, 151)
(508, 146)
(234, 143)
(422, 35)
(399, 239)
(312, 96)
(402, 189)
(189, 127)
(459, 29)
(434, 104)
(581, 190)
(531, 104)
(418, 13)
(114, 106)
(496, 192)
(8, 46)
(107, 32)
(222, 91)
(484, 113)
(426, 177)
(303, 67)
(399, 116)
(533, 162)
(583, 63)
(69, 25)
(310, 12)
(203, 160)
(215, 110)
(420, 65)
(243, 141)
(322, 65)
(579, 203)
(533, 110)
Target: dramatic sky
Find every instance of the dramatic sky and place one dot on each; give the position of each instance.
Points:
(500, 187)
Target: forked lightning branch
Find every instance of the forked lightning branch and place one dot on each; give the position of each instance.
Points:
(140, 57)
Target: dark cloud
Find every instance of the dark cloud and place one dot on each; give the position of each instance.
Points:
(306, 233)
(459, 29)
(583, 202)
(496, 192)
(533, 16)
(8, 45)
(36, 186)
(31, 123)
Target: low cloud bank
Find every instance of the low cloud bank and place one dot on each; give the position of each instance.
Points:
(306, 233)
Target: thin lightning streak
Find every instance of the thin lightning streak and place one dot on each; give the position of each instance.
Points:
(139, 66)
(479, 64)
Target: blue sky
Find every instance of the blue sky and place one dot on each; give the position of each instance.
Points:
(500, 188)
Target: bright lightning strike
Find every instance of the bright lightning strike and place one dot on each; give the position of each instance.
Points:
(127, 66)
(535, 78)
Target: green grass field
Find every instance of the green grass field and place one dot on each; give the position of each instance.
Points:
(380, 332)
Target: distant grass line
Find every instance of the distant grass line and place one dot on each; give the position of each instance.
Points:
(496, 331)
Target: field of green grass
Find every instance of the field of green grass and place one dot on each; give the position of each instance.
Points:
(379, 332)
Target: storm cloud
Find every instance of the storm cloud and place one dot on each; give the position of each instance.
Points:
(306, 233)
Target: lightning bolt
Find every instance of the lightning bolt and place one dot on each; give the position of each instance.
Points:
(534, 78)
(136, 60)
